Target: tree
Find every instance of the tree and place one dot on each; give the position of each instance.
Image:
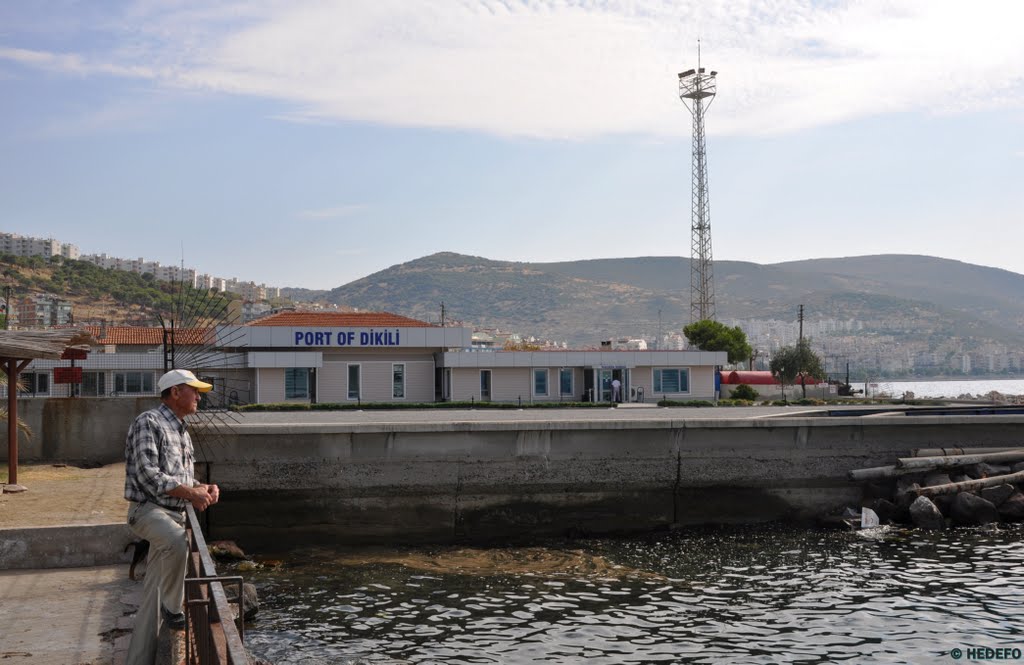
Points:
(522, 345)
(791, 362)
(708, 335)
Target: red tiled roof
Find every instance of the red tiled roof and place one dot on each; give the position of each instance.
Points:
(341, 320)
(148, 336)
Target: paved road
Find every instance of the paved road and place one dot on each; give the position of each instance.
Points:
(623, 413)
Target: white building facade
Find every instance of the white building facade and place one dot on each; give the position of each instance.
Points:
(354, 358)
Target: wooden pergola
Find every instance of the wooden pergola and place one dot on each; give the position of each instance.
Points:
(17, 349)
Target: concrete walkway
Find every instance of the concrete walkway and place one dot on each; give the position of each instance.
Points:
(67, 616)
(51, 614)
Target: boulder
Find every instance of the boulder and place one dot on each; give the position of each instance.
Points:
(1012, 510)
(936, 478)
(925, 514)
(908, 483)
(959, 477)
(250, 602)
(903, 501)
(886, 510)
(226, 549)
(984, 470)
(998, 494)
(1019, 466)
(976, 471)
(944, 502)
(972, 510)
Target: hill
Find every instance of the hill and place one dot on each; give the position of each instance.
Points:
(895, 313)
(585, 301)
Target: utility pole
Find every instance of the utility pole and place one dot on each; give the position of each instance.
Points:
(7, 307)
(442, 314)
(800, 318)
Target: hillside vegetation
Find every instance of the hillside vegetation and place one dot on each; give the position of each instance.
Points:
(100, 293)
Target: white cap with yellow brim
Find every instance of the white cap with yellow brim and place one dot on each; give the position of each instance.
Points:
(177, 377)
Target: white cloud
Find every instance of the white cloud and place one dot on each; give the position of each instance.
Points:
(548, 69)
(72, 63)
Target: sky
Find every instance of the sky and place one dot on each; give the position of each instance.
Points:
(311, 143)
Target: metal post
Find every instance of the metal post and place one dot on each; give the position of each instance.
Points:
(7, 307)
(12, 420)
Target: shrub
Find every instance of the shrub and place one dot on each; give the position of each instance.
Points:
(744, 392)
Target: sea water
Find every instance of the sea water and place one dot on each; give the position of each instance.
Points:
(743, 594)
(949, 389)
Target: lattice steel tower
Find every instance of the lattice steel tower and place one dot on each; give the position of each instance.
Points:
(694, 88)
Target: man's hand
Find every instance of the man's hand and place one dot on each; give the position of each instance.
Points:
(214, 493)
(200, 498)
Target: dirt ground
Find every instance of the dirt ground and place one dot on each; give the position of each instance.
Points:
(64, 495)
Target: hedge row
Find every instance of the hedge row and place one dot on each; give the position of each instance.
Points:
(397, 406)
(400, 406)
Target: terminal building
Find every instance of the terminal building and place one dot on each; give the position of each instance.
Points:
(335, 357)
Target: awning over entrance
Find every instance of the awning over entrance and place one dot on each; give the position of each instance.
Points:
(17, 349)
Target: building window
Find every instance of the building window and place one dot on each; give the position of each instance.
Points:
(35, 383)
(540, 382)
(353, 381)
(398, 381)
(94, 384)
(133, 383)
(565, 381)
(296, 383)
(671, 380)
(485, 385)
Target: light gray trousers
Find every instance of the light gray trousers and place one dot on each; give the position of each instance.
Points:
(165, 575)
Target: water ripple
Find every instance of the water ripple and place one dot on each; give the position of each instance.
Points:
(752, 595)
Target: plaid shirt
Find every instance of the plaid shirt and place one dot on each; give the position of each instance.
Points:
(158, 457)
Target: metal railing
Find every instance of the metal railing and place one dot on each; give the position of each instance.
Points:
(212, 635)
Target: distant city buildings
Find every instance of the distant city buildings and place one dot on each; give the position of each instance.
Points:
(878, 348)
(872, 348)
(12, 243)
(40, 311)
(17, 245)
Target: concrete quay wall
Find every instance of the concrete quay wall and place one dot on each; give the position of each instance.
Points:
(65, 546)
(77, 431)
(407, 482)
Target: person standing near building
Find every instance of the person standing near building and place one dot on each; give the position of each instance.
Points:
(159, 482)
(616, 390)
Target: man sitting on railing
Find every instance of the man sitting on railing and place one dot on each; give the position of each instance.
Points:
(159, 481)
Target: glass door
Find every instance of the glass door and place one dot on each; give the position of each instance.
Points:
(606, 385)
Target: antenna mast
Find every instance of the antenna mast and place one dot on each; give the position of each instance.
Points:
(694, 88)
